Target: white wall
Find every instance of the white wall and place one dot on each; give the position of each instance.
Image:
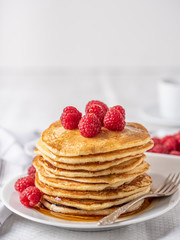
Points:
(45, 34)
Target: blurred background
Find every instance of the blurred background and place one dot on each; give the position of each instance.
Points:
(58, 53)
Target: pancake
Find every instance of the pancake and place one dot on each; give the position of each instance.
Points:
(69, 184)
(91, 158)
(74, 211)
(140, 183)
(121, 168)
(74, 185)
(94, 204)
(94, 166)
(64, 142)
(110, 179)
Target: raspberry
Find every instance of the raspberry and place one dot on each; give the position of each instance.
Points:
(30, 196)
(31, 171)
(23, 183)
(178, 148)
(170, 144)
(103, 105)
(175, 153)
(70, 118)
(177, 137)
(89, 125)
(119, 108)
(114, 120)
(97, 110)
(164, 139)
(156, 140)
(158, 148)
(72, 110)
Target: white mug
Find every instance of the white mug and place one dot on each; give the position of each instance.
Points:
(169, 98)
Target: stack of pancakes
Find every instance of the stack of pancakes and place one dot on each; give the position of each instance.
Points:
(92, 176)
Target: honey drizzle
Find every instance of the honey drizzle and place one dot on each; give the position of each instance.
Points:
(144, 207)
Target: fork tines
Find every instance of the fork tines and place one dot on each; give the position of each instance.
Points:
(170, 184)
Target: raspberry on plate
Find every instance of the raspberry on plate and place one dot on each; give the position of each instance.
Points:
(158, 148)
(97, 110)
(70, 118)
(31, 171)
(156, 140)
(164, 139)
(89, 125)
(103, 105)
(119, 108)
(23, 183)
(177, 137)
(30, 196)
(114, 120)
(170, 144)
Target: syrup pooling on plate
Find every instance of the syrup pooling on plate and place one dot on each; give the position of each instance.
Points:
(147, 204)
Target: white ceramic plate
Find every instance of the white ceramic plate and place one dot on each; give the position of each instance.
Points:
(151, 113)
(161, 166)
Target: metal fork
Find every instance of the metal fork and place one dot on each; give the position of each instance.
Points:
(168, 187)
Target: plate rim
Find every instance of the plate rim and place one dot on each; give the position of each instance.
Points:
(85, 226)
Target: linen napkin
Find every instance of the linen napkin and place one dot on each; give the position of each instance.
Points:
(13, 161)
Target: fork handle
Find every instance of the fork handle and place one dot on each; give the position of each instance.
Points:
(114, 216)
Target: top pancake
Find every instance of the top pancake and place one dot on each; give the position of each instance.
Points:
(92, 158)
(64, 142)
